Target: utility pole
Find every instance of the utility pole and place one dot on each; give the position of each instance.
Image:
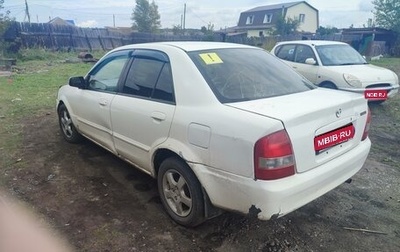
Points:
(27, 15)
(184, 18)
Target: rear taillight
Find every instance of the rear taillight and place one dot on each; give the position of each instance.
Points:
(273, 157)
(367, 125)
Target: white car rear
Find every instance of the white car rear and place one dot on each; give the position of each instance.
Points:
(221, 126)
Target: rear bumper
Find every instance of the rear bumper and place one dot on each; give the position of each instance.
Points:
(279, 197)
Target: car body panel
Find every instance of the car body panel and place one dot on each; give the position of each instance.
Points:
(303, 125)
(217, 139)
(272, 199)
(369, 76)
(137, 131)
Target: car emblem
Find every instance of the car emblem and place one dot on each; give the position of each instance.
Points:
(338, 113)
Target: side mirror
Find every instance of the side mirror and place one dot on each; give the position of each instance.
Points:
(78, 82)
(310, 61)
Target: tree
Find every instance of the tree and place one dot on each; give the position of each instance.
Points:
(207, 30)
(387, 13)
(286, 26)
(4, 17)
(327, 30)
(177, 29)
(145, 16)
(4, 22)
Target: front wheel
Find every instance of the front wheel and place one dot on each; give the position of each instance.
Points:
(68, 129)
(181, 192)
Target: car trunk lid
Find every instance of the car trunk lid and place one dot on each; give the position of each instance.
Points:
(322, 124)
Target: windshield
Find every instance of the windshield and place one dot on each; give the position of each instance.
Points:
(339, 55)
(247, 74)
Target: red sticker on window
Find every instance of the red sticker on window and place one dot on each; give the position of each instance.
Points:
(333, 138)
(375, 94)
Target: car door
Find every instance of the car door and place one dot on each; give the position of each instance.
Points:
(295, 55)
(93, 102)
(301, 54)
(142, 113)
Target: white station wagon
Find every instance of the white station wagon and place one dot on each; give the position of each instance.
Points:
(337, 65)
(219, 125)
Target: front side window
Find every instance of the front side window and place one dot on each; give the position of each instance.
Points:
(105, 77)
(149, 78)
(303, 52)
(247, 74)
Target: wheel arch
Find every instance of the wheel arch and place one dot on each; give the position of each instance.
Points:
(70, 111)
(328, 84)
(162, 154)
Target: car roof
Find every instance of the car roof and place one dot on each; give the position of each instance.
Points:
(185, 45)
(312, 42)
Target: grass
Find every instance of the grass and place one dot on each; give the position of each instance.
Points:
(390, 63)
(28, 92)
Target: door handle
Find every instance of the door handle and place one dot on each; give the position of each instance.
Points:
(158, 116)
(103, 102)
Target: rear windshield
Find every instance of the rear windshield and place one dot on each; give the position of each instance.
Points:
(247, 74)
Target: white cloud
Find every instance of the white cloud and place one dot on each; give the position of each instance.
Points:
(221, 13)
(366, 6)
(88, 23)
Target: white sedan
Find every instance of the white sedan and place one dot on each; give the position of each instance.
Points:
(219, 125)
(337, 65)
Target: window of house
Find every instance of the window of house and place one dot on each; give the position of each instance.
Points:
(302, 18)
(267, 18)
(250, 20)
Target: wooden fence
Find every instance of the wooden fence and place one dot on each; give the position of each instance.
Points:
(68, 37)
(44, 35)
(57, 37)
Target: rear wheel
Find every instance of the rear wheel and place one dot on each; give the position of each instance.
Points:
(181, 192)
(68, 129)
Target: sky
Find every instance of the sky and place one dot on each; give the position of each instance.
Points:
(221, 13)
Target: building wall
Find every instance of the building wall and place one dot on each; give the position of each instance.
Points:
(311, 17)
(256, 33)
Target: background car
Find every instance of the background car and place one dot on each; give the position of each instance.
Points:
(219, 125)
(337, 65)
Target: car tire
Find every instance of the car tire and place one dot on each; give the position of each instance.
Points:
(180, 192)
(67, 127)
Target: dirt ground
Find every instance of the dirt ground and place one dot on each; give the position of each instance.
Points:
(100, 203)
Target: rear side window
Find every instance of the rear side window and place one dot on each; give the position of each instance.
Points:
(142, 77)
(247, 74)
(285, 52)
(149, 76)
